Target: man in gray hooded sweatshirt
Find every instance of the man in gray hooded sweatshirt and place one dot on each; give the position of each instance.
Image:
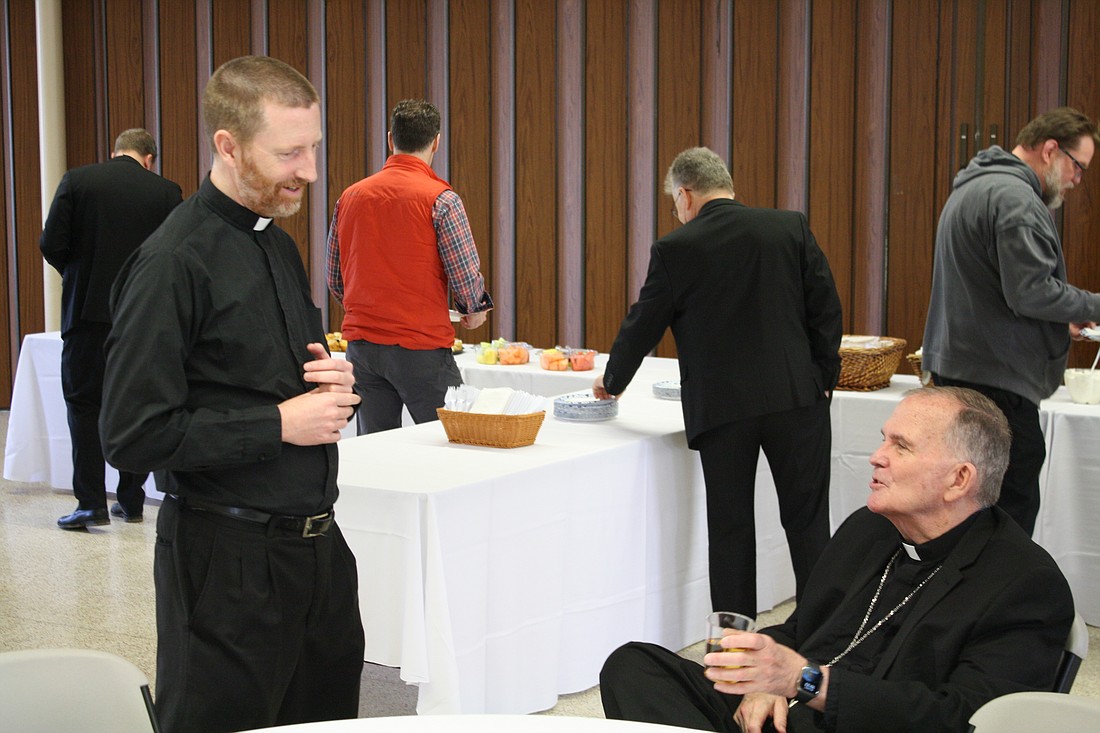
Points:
(1001, 314)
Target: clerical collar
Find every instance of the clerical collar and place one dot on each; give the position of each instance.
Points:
(935, 550)
(237, 215)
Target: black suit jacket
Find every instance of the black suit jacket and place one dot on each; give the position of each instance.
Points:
(752, 305)
(100, 214)
(993, 621)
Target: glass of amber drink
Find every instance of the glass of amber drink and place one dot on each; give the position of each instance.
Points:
(719, 622)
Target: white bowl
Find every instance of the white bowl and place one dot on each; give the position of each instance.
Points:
(1083, 385)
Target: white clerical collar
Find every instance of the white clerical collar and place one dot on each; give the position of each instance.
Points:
(261, 224)
(911, 551)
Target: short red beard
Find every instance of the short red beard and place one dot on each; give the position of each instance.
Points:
(263, 195)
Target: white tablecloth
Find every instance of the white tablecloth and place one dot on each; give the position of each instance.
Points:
(477, 724)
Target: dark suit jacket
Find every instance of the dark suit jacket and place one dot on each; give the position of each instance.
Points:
(754, 311)
(99, 216)
(994, 620)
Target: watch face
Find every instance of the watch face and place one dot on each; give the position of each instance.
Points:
(810, 681)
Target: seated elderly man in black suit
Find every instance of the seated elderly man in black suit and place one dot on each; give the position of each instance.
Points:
(925, 604)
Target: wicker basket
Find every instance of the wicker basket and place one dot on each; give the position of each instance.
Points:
(914, 360)
(865, 370)
(495, 431)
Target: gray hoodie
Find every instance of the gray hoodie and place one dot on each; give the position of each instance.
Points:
(1000, 303)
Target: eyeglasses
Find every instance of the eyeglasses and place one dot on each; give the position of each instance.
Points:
(1081, 169)
(676, 200)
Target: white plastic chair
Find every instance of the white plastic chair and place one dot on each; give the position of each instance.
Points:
(1028, 712)
(73, 691)
(1077, 648)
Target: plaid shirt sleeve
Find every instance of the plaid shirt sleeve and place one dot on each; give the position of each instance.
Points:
(332, 259)
(459, 254)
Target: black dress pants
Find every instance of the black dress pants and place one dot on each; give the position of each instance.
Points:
(82, 363)
(797, 444)
(650, 684)
(255, 627)
(1020, 487)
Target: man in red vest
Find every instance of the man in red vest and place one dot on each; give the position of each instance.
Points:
(399, 242)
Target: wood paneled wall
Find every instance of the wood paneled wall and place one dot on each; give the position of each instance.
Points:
(561, 117)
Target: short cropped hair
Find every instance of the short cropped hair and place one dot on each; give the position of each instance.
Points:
(414, 124)
(1065, 125)
(234, 97)
(137, 140)
(700, 170)
(979, 434)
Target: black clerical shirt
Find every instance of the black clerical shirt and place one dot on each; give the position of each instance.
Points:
(211, 320)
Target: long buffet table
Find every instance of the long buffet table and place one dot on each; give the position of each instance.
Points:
(498, 579)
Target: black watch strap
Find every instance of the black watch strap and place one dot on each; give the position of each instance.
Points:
(809, 682)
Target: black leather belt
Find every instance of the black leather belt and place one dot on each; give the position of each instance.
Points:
(313, 526)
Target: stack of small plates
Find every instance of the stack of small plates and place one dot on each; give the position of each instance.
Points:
(667, 390)
(584, 407)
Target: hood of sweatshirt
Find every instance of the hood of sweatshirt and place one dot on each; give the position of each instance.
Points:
(996, 160)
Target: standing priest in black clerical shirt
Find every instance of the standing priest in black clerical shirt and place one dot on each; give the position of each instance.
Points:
(217, 374)
(925, 605)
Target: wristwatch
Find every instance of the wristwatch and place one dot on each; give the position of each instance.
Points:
(809, 682)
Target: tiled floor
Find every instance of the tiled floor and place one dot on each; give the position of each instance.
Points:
(94, 590)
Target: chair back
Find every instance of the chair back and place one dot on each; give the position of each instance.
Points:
(73, 690)
(1077, 648)
(1027, 712)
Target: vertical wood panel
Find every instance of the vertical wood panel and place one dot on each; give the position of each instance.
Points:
(125, 68)
(571, 182)
(179, 128)
(913, 210)
(230, 31)
(10, 303)
(755, 101)
(869, 203)
(26, 192)
(471, 124)
(536, 173)
(831, 143)
(406, 51)
(641, 139)
(287, 22)
(345, 136)
(1020, 59)
(679, 107)
(1081, 220)
(78, 34)
(995, 65)
(717, 45)
(607, 294)
(794, 20)
(503, 95)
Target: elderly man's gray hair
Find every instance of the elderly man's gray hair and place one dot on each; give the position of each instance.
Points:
(698, 169)
(979, 434)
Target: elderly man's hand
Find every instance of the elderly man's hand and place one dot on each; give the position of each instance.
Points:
(755, 710)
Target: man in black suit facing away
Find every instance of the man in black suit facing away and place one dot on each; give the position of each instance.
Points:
(755, 313)
(926, 604)
(100, 214)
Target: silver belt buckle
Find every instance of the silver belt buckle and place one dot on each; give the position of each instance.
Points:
(323, 522)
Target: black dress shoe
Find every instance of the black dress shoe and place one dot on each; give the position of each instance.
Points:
(118, 511)
(82, 518)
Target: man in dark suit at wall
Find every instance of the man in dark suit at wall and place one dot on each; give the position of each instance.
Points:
(926, 604)
(99, 216)
(755, 313)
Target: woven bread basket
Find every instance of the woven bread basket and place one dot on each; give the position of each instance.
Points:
(914, 360)
(867, 369)
(494, 431)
